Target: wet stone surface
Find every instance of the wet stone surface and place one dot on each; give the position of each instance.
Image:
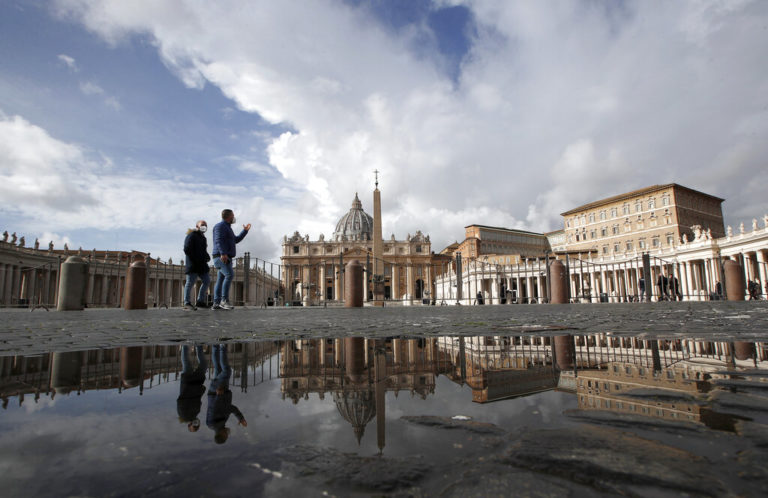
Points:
(41, 331)
(424, 415)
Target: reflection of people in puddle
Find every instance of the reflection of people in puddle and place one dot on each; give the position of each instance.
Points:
(191, 391)
(220, 405)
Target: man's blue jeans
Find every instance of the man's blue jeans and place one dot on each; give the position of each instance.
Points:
(221, 368)
(191, 279)
(221, 289)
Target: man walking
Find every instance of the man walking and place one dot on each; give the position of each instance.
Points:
(196, 263)
(224, 241)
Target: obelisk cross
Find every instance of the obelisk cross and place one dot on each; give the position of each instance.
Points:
(376, 172)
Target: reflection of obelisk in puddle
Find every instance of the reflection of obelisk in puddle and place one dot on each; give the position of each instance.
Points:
(377, 277)
(380, 378)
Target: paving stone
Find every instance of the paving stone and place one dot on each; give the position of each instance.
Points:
(27, 332)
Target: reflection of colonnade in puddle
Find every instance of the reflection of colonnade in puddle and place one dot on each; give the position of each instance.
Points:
(667, 379)
(140, 367)
(663, 379)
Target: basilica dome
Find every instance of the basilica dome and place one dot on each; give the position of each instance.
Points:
(355, 225)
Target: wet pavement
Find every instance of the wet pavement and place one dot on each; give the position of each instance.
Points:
(41, 331)
(504, 412)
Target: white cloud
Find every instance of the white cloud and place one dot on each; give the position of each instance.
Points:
(49, 183)
(90, 88)
(555, 104)
(69, 62)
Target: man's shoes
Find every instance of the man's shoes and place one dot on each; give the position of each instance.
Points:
(216, 306)
(226, 306)
(189, 307)
(201, 304)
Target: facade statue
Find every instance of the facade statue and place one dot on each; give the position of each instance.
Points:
(741, 227)
(37, 244)
(729, 231)
(22, 241)
(13, 238)
(5, 236)
(66, 247)
(50, 246)
(754, 224)
(685, 238)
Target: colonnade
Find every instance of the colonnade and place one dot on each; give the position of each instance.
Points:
(322, 282)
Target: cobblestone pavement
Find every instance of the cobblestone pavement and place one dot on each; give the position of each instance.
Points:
(22, 331)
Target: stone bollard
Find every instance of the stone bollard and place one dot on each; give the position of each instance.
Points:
(135, 296)
(72, 284)
(744, 350)
(131, 366)
(353, 285)
(66, 371)
(559, 283)
(734, 281)
(563, 346)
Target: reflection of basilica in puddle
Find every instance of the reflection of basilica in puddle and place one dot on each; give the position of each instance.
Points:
(679, 380)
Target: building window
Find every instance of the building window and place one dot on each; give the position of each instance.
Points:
(665, 201)
(652, 203)
(625, 209)
(614, 212)
(616, 248)
(615, 229)
(638, 206)
(295, 249)
(641, 243)
(567, 223)
(591, 217)
(670, 240)
(655, 241)
(593, 234)
(605, 249)
(604, 231)
(576, 221)
(602, 215)
(629, 245)
(418, 248)
(577, 236)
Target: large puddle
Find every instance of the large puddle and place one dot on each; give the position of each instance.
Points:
(449, 416)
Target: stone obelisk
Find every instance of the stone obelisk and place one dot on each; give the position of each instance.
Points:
(378, 248)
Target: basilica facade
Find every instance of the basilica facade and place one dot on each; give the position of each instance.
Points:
(312, 270)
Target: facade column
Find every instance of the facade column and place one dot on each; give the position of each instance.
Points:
(336, 282)
(321, 283)
(394, 283)
(409, 283)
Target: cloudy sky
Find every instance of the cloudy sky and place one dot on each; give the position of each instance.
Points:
(121, 123)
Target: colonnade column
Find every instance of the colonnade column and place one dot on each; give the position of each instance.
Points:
(688, 281)
(394, 283)
(761, 270)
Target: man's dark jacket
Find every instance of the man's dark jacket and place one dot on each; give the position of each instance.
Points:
(196, 250)
(220, 407)
(190, 398)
